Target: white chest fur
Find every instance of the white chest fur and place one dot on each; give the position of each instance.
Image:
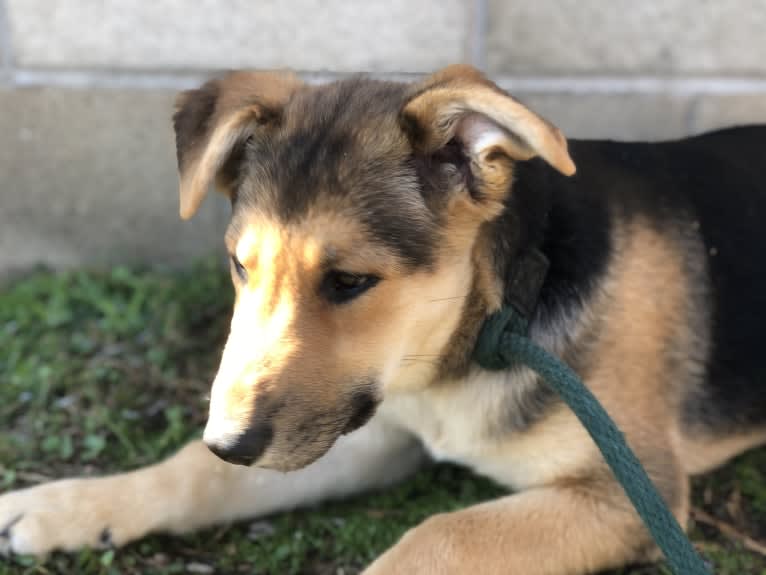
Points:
(475, 422)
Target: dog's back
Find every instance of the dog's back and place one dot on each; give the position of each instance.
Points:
(708, 189)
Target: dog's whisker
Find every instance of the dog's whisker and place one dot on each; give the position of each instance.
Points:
(448, 298)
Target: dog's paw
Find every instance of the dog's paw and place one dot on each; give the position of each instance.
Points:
(65, 515)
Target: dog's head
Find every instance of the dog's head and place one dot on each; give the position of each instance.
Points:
(356, 211)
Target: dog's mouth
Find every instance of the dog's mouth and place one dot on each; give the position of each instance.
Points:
(363, 406)
(262, 444)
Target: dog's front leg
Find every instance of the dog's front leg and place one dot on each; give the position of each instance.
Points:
(193, 489)
(545, 531)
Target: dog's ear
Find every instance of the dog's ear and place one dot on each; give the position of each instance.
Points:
(212, 122)
(460, 105)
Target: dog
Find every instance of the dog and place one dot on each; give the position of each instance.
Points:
(374, 227)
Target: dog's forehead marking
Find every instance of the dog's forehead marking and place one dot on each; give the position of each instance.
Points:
(315, 244)
(259, 241)
(341, 149)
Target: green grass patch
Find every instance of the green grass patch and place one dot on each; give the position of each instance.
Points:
(102, 372)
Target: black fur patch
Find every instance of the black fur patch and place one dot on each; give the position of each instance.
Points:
(5, 532)
(713, 185)
(723, 175)
(105, 538)
(567, 219)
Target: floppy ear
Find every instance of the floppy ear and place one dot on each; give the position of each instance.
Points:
(459, 104)
(212, 122)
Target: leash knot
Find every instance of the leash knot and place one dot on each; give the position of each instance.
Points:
(492, 351)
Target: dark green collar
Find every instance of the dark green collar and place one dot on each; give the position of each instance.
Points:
(524, 281)
(522, 291)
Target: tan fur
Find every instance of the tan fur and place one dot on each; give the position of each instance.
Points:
(244, 98)
(458, 94)
(209, 159)
(703, 452)
(633, 354)
(647, 351)
(498, 538)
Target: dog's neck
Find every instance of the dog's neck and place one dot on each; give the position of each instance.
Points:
(566, 221)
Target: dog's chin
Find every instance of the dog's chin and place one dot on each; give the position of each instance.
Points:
(297, 456)
(292, 459)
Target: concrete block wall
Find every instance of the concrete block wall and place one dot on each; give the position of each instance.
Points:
(87, 167)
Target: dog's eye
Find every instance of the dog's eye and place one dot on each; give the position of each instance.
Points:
(239, 268)
(340, 287)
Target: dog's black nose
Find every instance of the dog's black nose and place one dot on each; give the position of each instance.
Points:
(242, 449)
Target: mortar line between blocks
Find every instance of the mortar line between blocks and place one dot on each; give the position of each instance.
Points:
(478, 33)
(6, 45)
(638, 84)
(555, 84)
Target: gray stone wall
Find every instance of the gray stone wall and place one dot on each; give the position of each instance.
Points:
(87, 167)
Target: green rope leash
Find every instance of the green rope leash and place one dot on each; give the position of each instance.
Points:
(503, 343)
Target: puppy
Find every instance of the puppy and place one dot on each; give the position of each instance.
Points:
(374, 227)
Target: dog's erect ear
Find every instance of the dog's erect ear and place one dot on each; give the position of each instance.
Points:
(459, 104)
(213, 121)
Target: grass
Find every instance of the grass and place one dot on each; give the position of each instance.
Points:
(109, 371)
